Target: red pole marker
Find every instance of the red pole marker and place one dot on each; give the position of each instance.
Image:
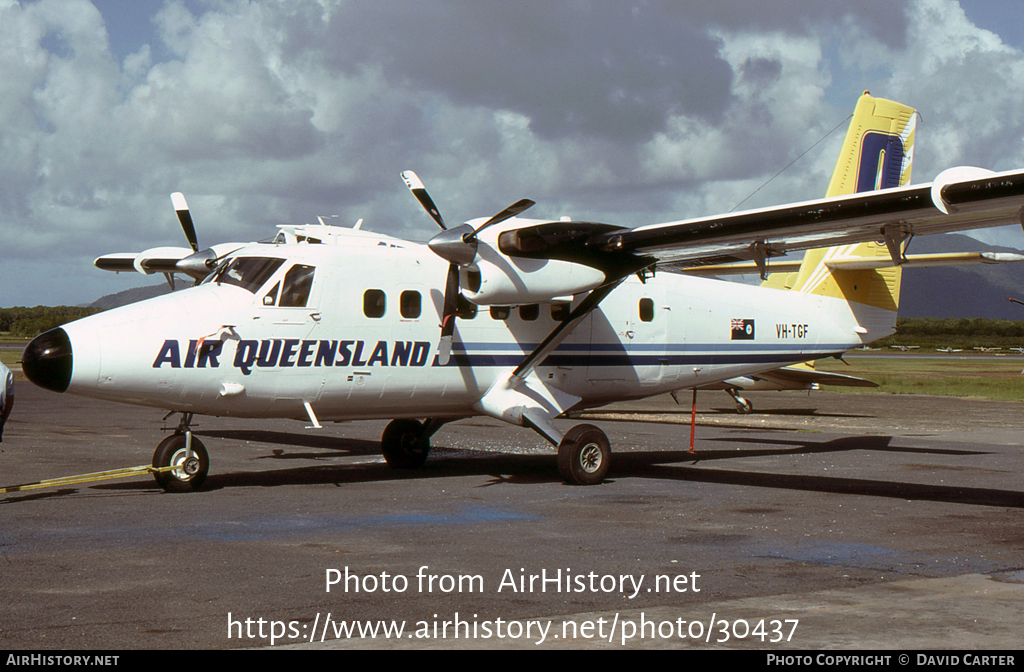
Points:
(693, 419)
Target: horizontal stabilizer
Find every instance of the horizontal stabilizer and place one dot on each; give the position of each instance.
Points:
(796, 377)
(790, 375)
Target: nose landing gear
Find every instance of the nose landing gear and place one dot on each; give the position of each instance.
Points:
(187, 453)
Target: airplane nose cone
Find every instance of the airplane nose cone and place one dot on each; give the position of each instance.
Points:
(47, 360)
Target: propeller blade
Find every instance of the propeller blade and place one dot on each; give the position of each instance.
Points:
(415, 185)
(448, 311)
(181, 208)
(508, 213)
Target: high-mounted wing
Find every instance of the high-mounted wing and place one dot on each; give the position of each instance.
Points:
(170, 260)
(959, 199)
(862, 263)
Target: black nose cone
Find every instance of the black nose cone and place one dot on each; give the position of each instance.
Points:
(47, 360)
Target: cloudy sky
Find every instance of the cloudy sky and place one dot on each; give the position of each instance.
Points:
(631, 113)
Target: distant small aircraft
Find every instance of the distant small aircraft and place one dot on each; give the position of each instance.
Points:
(904, 348)
(948, 349)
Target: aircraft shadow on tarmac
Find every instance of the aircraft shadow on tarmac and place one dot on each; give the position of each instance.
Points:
(332, 443)
(680, 465)
(684, 416)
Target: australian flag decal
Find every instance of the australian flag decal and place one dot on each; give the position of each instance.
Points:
(742, 330)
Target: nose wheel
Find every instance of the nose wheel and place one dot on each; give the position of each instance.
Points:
(190, 458)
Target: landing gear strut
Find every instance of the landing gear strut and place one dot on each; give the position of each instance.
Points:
(742, 404)
(584, 455)
(193, 463)
(187, 453)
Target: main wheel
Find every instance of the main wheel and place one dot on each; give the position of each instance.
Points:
(584, 455)
(191, 472)
(405, 444)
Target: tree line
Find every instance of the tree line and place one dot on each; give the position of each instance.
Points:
(25, 322)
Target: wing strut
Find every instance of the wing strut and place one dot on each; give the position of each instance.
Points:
(560, 332)
(894, 235)
(520, 397)
(759, 250)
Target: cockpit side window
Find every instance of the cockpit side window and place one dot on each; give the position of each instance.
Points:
(297, 283)
(247, 272)
(270, 298)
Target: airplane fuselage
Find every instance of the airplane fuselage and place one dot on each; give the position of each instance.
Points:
(360, 341)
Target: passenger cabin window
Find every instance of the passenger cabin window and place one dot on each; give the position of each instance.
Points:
(559, 312)
(646, 310)
(246, 272)
(500, 312)
(374, 303)
(410, 304)
(529, 313)
(297, 283)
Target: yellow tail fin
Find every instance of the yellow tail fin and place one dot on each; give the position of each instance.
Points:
(878, 153)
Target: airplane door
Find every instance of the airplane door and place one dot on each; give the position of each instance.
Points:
(629, 338)
(650, 347)
(289, 316)
(291, 305)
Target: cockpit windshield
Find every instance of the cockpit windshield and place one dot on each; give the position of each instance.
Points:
(246, 272)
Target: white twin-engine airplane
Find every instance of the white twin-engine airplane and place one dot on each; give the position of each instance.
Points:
(537, 317)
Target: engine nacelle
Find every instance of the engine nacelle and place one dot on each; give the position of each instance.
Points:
(499, 280)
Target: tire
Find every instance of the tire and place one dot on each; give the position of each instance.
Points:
(190, 477)
(405, 444)
(584, 455)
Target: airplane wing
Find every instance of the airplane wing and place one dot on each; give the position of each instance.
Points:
(959, 199)
(861, 263)
(154, 260)
(165, 260)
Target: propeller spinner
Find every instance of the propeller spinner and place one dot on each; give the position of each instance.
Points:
(458, 246)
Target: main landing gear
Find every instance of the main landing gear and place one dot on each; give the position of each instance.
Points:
(584, 453)
(187, 453)
(406, 443)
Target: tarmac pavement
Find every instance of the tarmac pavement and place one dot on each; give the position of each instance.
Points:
(817, 522)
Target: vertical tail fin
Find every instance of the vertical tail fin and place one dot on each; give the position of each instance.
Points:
(878, 153)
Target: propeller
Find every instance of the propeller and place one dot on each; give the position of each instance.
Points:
(185, 217)
(198, 264)
(458, 246)
(415, 185)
